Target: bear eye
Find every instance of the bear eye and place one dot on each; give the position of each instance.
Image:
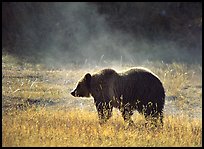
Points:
(79, 86)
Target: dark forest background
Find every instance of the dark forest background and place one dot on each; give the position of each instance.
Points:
(77, 32)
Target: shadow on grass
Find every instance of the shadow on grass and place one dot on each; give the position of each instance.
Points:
(17, 103)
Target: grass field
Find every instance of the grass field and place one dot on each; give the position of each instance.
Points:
(38, 110)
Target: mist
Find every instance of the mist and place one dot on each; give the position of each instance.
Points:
(59, 34)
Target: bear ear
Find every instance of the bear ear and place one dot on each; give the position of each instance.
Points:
(88, 77)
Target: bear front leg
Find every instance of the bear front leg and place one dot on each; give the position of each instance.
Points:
(126, 114)
(104, 111)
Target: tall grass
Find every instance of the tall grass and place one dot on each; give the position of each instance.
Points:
(45, 127)
(25, 123)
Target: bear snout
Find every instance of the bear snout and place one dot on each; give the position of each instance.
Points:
(73, 93)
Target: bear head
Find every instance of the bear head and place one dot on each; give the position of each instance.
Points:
(83, 87)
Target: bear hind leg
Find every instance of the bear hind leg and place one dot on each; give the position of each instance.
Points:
(155, 119)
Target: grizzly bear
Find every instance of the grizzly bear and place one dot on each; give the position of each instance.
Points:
(136, 89)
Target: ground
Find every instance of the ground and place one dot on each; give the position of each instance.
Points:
(38, 110)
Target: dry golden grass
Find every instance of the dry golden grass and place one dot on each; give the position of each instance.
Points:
(45, 127)
(58, 125)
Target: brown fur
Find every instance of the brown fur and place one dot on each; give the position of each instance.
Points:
(136, 89)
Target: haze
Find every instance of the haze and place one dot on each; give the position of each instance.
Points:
(59, 34)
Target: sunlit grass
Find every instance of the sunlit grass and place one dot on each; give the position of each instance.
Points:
(44, 127)
(60, 126)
